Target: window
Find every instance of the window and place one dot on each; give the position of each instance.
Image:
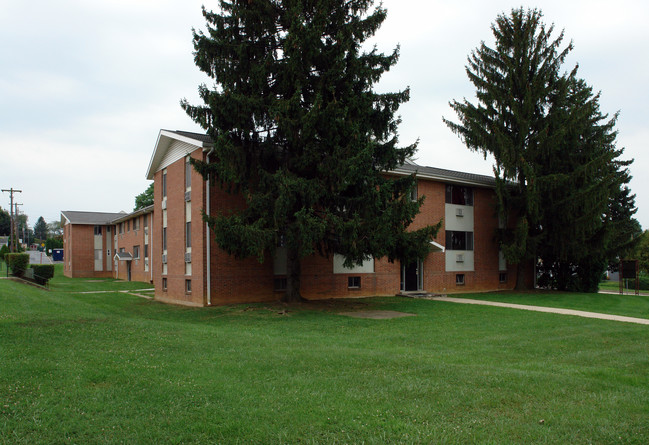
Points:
(164, 238)
(502, 277)
(108, 230)
(459, 279)
(456, 240)
(97, 230)
(146, 251)
(128, 225)
(280, 284)
(164, 184)
(164, 284)
(414, 192)
(188, 234)
(136, 252)
(353, 282)
(456, 194)
(136, 223)
(121, 249)
(145, 220)
(121, 227)
(188, 286)
(188, 173)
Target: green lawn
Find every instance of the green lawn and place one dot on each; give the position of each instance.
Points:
(628, 305)
(115, 368)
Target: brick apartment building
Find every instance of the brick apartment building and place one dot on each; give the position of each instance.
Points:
(170, 245)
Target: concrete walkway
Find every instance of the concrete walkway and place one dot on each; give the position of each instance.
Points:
(551, 310)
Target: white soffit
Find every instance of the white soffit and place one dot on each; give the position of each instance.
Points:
(169, 147)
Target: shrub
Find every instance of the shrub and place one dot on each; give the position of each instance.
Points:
(18, 263)
(4, 250)
(43, 272)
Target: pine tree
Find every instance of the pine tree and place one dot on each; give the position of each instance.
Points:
(586, 216)
(299, 132)
(515, 82)
(557, 167)
(40, 229)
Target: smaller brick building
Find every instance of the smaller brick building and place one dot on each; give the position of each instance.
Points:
(171, 246)
(107, 245)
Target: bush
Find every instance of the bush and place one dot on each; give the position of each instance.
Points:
(43, 273)
(4, 250)
(18, 263)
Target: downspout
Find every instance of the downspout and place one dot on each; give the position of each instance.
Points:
(207, 236)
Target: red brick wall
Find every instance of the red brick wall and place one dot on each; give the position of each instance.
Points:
(235, 281)
(79, 244)
(127, 240)
(176, 277)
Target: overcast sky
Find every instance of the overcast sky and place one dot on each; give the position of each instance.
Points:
(85, 86)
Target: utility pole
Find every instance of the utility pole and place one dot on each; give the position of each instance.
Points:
(16, 225)
(12, 243)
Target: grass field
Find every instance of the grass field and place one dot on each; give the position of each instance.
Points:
(116, 368)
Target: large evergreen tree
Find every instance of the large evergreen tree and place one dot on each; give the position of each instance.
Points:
(40, 229)
(587, 214)
(514, 83)
(299, 132)
(557, 167)
(5, 222)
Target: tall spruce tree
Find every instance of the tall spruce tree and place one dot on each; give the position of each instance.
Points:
(40, 229)
(299, 132)
(587, 214)
(515, 82)
(557, 168)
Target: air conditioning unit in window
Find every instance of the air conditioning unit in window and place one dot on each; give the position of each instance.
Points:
(188, 196)
(459, 258)
(164, 204)
(188, 257)
(459, 212)
(164, 259)
(146, 230)
(146, 262)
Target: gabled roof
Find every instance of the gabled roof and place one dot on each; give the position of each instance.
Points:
(125, 216)
(444, 175)
(123, 256)
(199, 140)
(89, 218)
(100, 218)
(164, 141)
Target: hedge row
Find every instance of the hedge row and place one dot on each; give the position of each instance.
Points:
(18, 262)
(43, 272)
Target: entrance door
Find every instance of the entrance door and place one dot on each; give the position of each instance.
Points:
(411, 277)
(128, 270)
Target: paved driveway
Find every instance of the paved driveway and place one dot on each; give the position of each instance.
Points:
(36, 257)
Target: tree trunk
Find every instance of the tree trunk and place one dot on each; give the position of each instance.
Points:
(294, 273)
(520, 276)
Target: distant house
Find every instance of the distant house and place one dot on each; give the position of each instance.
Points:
(170, 245)
(4, 241)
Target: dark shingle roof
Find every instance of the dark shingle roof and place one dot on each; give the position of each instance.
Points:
(447, 175)
(198, 136)
(93, 218)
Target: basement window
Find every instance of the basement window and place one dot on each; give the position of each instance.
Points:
(353, 282)
(279, 284)
(502, 277)
(164, 284)
(459, 279)
(188, 286)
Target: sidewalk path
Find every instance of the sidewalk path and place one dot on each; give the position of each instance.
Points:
(551, 310)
